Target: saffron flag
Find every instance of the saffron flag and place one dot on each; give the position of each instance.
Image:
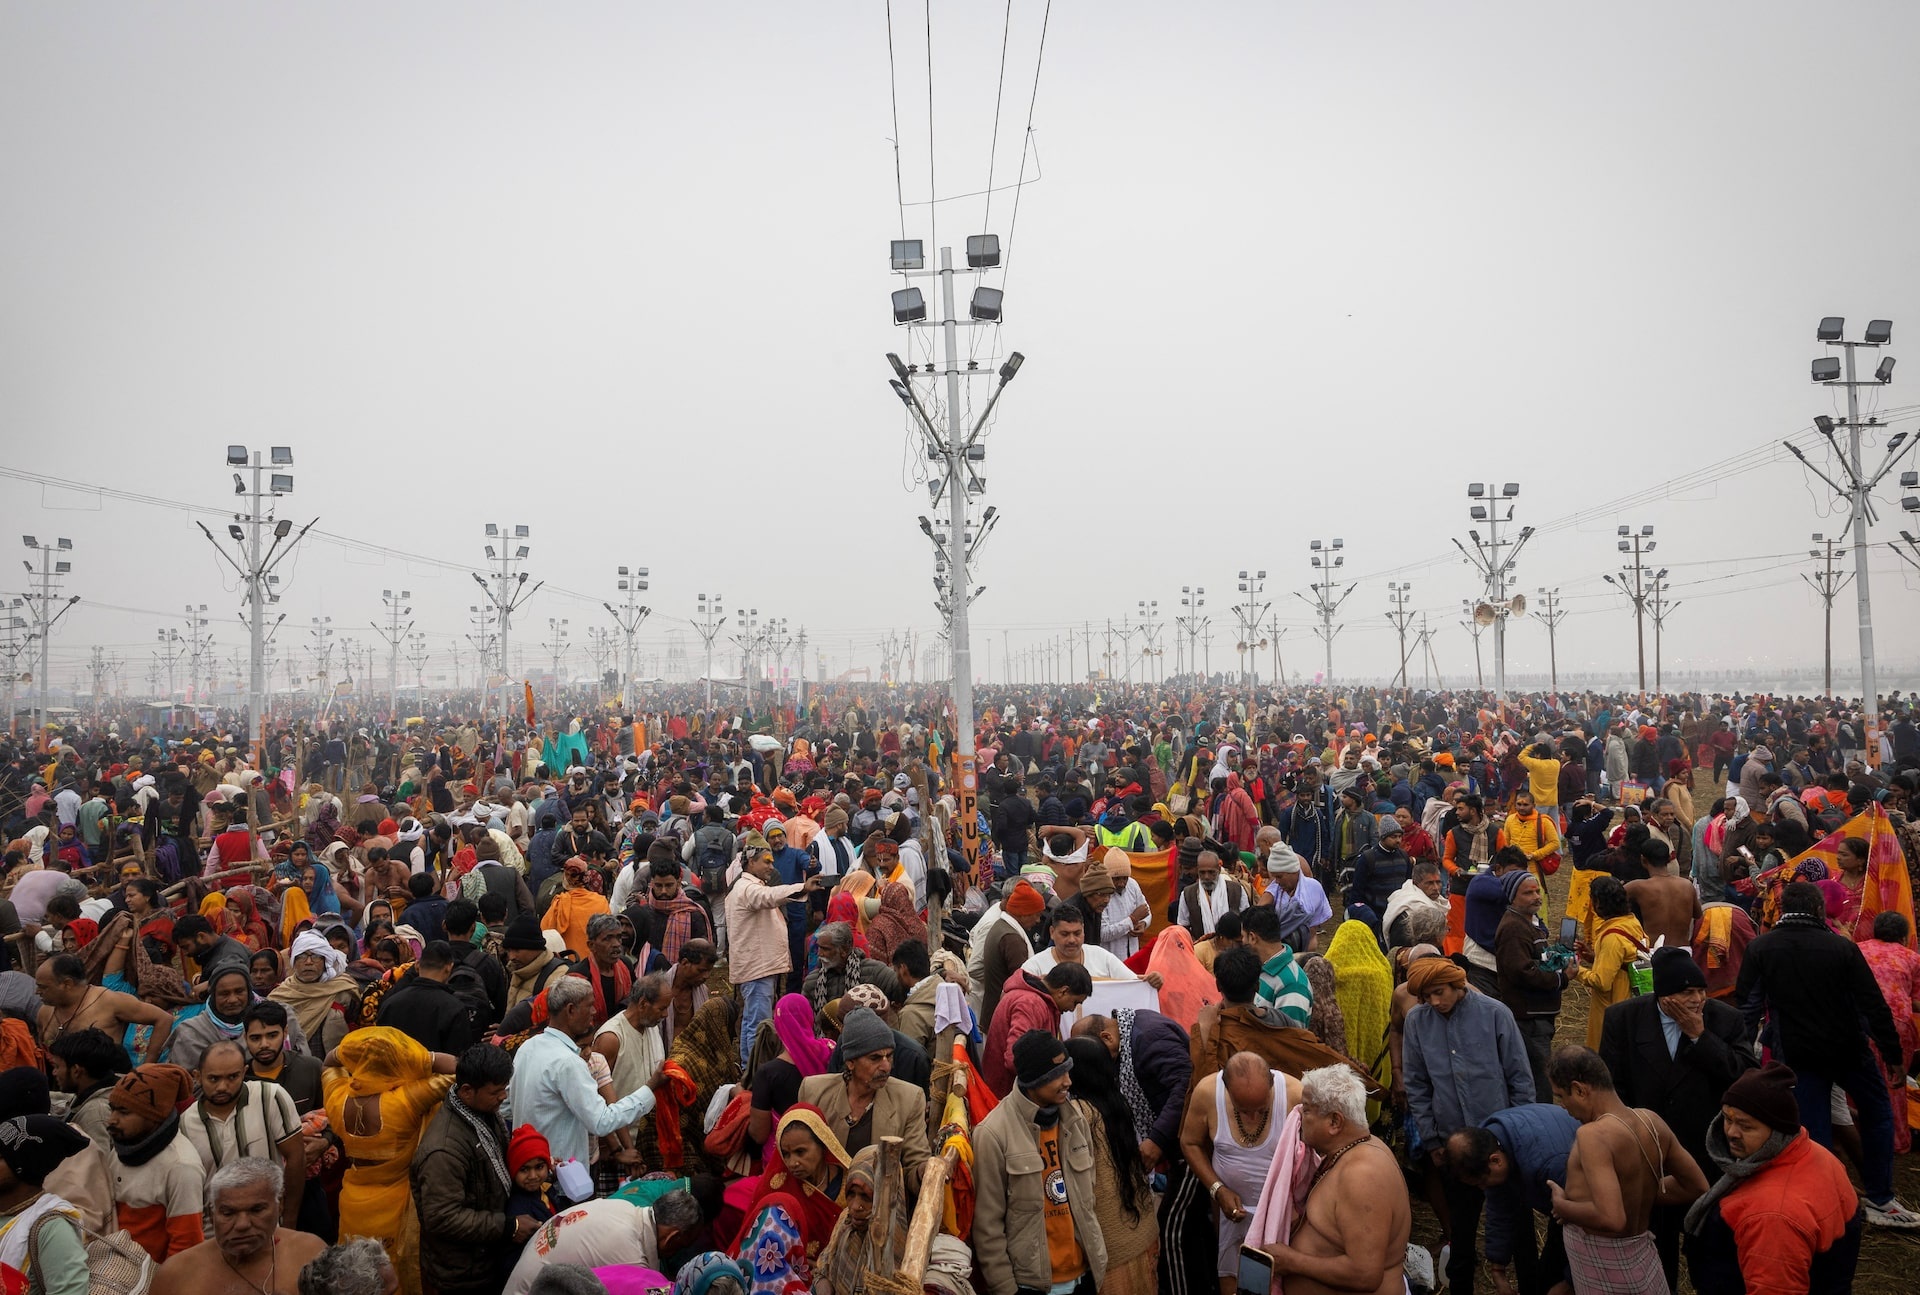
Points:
(529, 703)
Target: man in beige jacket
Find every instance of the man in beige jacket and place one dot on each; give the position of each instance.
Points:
(757, 953)
(1034, 1226)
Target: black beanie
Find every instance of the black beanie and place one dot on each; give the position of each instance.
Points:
(523, 932)
(1767, 1095)
(1039, 1058)
(1675, 970)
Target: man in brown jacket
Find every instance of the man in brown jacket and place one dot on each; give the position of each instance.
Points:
(864, 1103)
(1034, 1226)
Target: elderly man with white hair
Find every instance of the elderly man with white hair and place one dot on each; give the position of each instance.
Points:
(1355, 1217)
(248, 1250)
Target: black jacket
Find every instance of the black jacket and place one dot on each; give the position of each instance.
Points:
(1821, 995)
(430, 1013)
(466, 1241)
(1683, 1089)
(1162, 1057)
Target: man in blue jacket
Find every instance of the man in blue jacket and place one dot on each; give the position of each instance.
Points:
(1307, 823)
(1512, 1155)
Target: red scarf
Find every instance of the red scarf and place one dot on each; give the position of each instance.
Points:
(622, 986)
(677, 1091)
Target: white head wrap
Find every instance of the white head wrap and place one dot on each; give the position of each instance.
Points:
(309, 942)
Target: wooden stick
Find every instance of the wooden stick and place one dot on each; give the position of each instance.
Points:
(928, 1214)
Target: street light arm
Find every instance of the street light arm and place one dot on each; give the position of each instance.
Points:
(911, 400)
(1473, 557)
(1878, 474)
(224, 555)
(1809, 465)
(273, 561)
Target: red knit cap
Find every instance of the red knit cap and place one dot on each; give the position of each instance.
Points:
(526, 1144)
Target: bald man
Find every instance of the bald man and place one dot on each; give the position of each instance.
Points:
(1229, 1137)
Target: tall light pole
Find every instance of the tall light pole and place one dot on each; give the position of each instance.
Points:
(46, 610)
(255, 566)
(198, 641)
(11, 623)
(1399, 596)
(1248, 614)
(556, 645)
(320, 629)
(1659, 608)
(1327, 558)
(508, 591)
(1472, 624)
(712, 617)
(1493, 558)
(1828, 584)
(483, 639)
(1860, 483)
(1150, 628)
(1636, 545)
(393, 633)
(171, 646)
(1189, 622)
(1552, 613)
(417, 657)
(955, 452)
(628, 616)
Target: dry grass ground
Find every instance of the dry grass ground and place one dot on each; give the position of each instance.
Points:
(1889, 1261)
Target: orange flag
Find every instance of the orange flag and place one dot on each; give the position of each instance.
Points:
(529, 703)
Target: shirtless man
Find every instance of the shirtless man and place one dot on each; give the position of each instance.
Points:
(1668, 905)
(71, 1004)
(250, 1253)
(1624, 1161)
(1353, 1235)
(1231, 1163)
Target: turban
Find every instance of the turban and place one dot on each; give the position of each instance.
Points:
(34, 1145)
(576, 866)
(312, 942)
(1023, 900)
(878, 845)
(1429, 974)
(153, 1091)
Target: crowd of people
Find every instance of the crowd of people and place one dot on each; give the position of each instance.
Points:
(1218, 987)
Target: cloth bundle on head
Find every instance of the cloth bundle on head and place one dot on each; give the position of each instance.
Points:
(1039, 1058)
(527, 1144)
(313, 942)
(1767, 1095)
(862, 1032)
(34, 1145)
(153, 1091)
(1429, 974)
(1023, 900)
(1675, 970)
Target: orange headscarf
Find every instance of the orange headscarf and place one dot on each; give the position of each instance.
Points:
(1185, 987)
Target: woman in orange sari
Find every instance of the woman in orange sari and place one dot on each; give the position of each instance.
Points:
(380, 1086)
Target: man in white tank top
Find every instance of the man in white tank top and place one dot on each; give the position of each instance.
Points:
(1229, 1135)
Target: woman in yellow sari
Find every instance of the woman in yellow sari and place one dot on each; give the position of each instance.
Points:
(1618, 939)
(380, 1086)
(1363, 986)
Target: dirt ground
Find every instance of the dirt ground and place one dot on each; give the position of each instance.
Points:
(1889, 1260)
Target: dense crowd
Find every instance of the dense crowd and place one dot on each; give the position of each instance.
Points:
(1236, 987)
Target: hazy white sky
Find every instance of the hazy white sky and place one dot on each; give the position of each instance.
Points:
(618, 272)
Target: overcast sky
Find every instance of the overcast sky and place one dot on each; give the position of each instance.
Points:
(618, 272)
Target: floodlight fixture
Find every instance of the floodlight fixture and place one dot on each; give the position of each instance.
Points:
(1509, 490)
(1646, 530)
(909, 306)
(1313, 544)
(520, 533)
(1885, 372)
(1339, 544)
(1624, 547)
(1476, 490)
(239, 486)
(491, 555)
(1830, 329)
(236, 456)
(1908, 480)
(1826, 370)
(68, 544)
(62, 568)
(899, 366)
(492, 530)
(985, 305)
(521, 553)
(1478, 512)
(28, 540)
(282, 484)
(1879, 332)
(910, 254)
(1243, 576)
(1625, 530)
(282, 456)
(983, 251)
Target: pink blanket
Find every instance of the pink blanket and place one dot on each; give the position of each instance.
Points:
(1284, 1191)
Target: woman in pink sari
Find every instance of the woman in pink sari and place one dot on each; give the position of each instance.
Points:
(1897, 970)
(1237, 819)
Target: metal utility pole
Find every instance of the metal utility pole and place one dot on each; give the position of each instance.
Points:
(1189, 622)
(1399, 595)
(1659, 608)
(392, 634)
(955, 452)
(1248, 615)
(1828, 584)
(417, 657)
(712, 617)
(748, 641)
(255, 567)
(1474, 625)
(97, 667)
(1150, 628)
(1493, 558)
(483, 639)
(1429, 666)
(171, 646)
(1631, 542)
(1552, 613)
(321, 630)
(556, 646)
(1326, 558)
(1274, 634)
(197, 642)
(628, 616)
(508, 593)
(11, 623)
(46, 613)
(1859, 486)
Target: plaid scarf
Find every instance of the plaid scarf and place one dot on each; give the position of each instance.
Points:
(1130, 1089)
(679, 913)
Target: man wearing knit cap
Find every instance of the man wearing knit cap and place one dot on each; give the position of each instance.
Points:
(1783, 1216)
(1675, 1052)
(158, 1177)
(31, 1148)
(1001, 943)
(1037, 1231)
(866, 1102)
(1300, 900)
(531, 966)
(1464, 1060)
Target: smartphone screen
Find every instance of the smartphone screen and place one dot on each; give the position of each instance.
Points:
(1256, 1271)
(1569, 931)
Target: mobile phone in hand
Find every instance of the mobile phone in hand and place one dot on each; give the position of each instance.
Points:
(1256, 1271)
